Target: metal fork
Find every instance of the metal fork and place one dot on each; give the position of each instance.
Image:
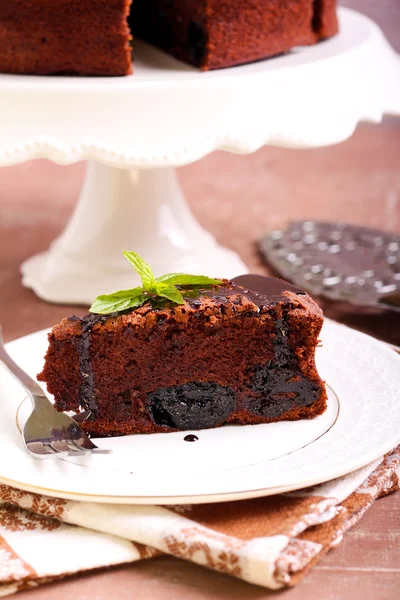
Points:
(47, 432)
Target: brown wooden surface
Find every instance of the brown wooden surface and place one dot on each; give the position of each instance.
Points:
(237, 198)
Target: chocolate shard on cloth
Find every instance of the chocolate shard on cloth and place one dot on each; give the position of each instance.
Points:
(271, 541)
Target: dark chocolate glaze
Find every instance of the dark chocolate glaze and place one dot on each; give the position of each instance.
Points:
(190, 438)
(264, 292)
(73, 318)
(87, 394)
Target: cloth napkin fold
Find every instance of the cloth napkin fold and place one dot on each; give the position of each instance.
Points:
(269, 541)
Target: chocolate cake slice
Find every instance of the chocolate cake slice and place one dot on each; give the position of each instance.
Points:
(242, 352)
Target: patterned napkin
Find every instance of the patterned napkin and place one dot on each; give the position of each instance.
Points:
(271, 541)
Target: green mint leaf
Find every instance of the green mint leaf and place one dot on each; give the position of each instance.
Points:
(118, 301)
(163, 287)
(142, 268)
(170, 292)
(159, 287)
(182, 279)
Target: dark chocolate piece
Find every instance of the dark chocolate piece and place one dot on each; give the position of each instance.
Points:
(190, 438)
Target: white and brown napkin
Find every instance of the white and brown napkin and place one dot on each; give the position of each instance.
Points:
(270, 541)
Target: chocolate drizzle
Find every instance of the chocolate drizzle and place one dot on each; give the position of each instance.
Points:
(87, 394)
(87, 397)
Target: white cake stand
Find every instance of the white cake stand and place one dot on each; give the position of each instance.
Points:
(136, 129)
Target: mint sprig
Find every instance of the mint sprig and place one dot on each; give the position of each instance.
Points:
(166, 287)
(142, 268)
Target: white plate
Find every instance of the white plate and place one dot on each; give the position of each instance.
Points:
(362, 422)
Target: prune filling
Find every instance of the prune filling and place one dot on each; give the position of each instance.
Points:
(280, 390)
(194, 405)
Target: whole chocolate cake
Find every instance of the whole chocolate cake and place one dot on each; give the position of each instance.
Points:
(213, 34)
(92, 37)
(241, 352)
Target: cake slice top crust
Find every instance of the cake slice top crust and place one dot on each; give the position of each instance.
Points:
(244, 294)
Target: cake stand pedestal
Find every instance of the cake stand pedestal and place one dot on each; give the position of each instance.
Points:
(135, 130)
(133, 209)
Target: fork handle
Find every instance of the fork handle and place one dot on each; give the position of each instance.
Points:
(30, 384)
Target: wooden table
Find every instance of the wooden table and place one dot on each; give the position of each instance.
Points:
(237, 198)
